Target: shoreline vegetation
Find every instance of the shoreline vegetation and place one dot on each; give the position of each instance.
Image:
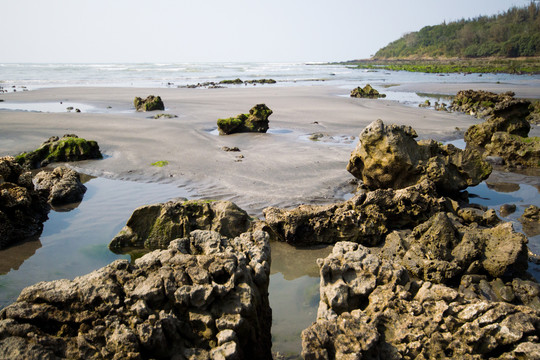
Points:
(520, 66)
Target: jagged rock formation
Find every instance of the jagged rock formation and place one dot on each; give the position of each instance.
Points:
(483, 104)
(22, 209)
(60, 186)
(205, 297)
(151, 103)
(255, 121)
(155, 226)
(371, 308)
(514, 150)
(366, 92)
(67, 148)
(531, 220)
(366, 218)
(388, 156)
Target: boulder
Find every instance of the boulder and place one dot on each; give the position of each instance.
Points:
(515, 151)
(155, 226)
(371, 308)
(531, 220)
(204, 297)
(60, 186)
(483, 104)
(255, 121)
(151, 103)
(68, 148)
(366, 92)
(388, 156)
(366, 218)
(22, 209)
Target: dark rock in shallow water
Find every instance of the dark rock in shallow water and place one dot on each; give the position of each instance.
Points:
(205, 297)
(371, 308)
(155, 226)
(255, 121)
(68, 148)
(22, 209)
(388, 156)
(507, 209)
(61, 186)
(151, 103)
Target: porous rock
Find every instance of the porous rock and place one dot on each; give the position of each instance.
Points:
(531, 220)
(366, 218)
(151, 103)
(205, 297)
(388, 156)
(60, 186)
(255, 121)
(22, 209)
(371, 308)
(155, 226)
(67, 148)
(515, 151)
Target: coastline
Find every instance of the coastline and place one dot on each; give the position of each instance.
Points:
(281, 168)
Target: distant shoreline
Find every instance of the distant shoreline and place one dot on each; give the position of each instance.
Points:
(520, 66)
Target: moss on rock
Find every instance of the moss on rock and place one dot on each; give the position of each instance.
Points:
(366, 92)
(151, 103)
(68, 148)
(255, 121)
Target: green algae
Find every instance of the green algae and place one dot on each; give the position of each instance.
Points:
(160, 163)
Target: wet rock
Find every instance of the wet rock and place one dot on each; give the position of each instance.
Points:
(151, 103)
(155, 226)
(388, 156)
(507, 209)
(366, 92)
(189, 301)
(531, 220)
(366, 218)
(516, 151)
(60, 186)
(22, 209)
(68, 148)
(229, 149)
(371, 308)
(483, 104)
(255, 121)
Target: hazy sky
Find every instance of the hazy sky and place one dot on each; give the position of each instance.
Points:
(218, 30)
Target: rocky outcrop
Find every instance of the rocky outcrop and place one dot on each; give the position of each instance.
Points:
(366, 218)
(205, 297)
(366, 92)
(60, 186)
(531, 220)
(151, 103)
(515, 151)
(444, 249)
(155, 226)
(483, 104)
(388, 156)
(371, 308)
(67, 148)
(22, 209)
(255, 121)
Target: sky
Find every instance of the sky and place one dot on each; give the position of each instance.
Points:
(109, 31)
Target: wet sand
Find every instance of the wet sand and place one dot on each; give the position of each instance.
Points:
(281, 168)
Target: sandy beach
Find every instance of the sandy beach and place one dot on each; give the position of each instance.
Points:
(281, 168)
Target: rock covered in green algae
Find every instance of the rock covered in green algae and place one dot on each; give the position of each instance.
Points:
(22, 209)
(366, 92)
(516, 151)
(255, 121)
(151, 103)
(155, 226)
(388, 156)
(483, 104)
(204, 297)
(68, 148)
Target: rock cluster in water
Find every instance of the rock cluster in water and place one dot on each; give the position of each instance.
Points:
(22, 209)
(255, 121)
(388, 156)
(366, 92)
(151, 103)
(154, 226)
(67, 148)
(60, 186)
(204, 297)
(503, 137)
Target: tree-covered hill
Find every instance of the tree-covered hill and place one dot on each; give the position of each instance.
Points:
(514, 33)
